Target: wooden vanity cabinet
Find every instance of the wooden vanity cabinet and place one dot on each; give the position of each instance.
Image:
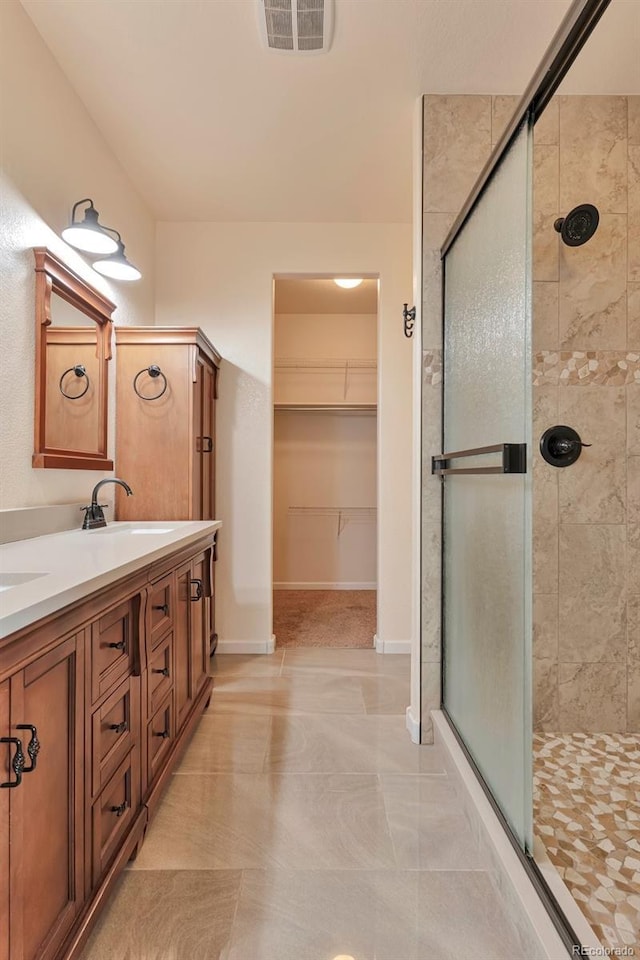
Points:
(46, 823)
(114, 678)
(5, 768)
(166, 431)
(165, 437)
(101, 682)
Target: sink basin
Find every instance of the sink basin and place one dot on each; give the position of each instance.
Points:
(134, 529)
(9, 580)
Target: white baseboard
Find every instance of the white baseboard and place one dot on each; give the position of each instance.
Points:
(413, 726)
(320, 585)
(247, 646)
(391, 646)
(525, 908)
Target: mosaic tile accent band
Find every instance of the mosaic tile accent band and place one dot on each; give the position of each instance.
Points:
(586, 799)
(431, 367)
(607, 368)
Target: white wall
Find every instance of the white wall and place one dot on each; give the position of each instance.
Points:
(52, 156)
(220, 276)
(324, 459)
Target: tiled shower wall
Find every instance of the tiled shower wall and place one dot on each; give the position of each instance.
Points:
(587, 520)
(586, 330)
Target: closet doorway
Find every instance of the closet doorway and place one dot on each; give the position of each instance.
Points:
(325, 463)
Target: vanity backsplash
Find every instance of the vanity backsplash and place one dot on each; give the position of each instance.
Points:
(23, 523)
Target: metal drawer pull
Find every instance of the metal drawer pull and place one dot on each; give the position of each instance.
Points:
(119, 727)
(164, 734)
(164, 671)
(33, 747)
(514, 460)
(198, 595)
(162, 606)
(17, 762)
(120, 645)
(119, 810)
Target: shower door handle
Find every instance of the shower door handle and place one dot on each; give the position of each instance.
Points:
(514, 460)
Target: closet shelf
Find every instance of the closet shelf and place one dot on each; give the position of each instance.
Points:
(344, 515)
(337, 381)
(368, 408)
(339, 363)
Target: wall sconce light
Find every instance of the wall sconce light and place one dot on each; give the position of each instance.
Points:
(116, 266)
(347, 283)
(88, 234)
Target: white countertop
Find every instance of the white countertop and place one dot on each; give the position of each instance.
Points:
(45, 574)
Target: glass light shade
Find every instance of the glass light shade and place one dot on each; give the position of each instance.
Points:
(88, 234)
(347, 282)
(117, 267)
(117, 270)
(89, 238)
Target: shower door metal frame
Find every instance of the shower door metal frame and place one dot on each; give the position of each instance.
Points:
(572, 34)
(574, 31)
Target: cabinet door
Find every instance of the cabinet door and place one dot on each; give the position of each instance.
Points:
(6, 775)
(183, 672)
(46, 832)
(191, 632)
(196, 439)
(153, 442)
(208, 442)
(200, 618)
(213, 636)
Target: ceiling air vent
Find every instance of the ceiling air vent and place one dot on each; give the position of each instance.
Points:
(296, 26)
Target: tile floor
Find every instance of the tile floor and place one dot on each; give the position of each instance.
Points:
(302, 824)
(587, 814)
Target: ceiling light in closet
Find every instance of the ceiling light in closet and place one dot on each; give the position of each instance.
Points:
(347, 282)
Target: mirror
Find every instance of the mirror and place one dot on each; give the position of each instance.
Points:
(73, 345)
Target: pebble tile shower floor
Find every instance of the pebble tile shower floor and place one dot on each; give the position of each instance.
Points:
(302, 824)
(587, 814)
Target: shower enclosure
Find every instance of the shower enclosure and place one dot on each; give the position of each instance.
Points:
(487, 492)
(531, 551)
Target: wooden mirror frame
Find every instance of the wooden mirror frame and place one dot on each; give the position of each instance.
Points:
(53, 276)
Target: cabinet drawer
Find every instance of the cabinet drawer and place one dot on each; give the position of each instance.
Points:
(113, 731)
(113, 812)
(160, 681)
(161, 608)
(160, 736)
(113, 638)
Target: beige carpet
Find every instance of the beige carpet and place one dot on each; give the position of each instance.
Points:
(324, 618)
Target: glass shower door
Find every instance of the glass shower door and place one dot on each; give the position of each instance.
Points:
(487, 511)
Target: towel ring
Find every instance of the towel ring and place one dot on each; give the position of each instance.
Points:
(153, 371)
(79, 371)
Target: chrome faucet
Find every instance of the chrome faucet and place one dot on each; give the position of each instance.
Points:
(93, 516)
